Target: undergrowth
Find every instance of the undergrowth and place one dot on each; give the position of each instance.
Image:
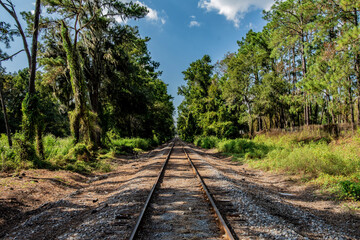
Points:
(63, 154)
(206, 142)
(332, 164)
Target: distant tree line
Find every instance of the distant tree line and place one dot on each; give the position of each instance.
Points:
(88, 74)
(303, 68)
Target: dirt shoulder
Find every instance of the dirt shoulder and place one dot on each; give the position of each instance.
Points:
(28, 192)
(23, 192)
(292, 190)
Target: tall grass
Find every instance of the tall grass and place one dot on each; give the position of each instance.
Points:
(62, 153)
(332, 164)
(129, 145)
(59, 153)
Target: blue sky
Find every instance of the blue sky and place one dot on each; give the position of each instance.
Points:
(181, 32)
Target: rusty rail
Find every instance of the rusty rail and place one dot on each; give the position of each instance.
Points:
(226, 230)
(140, 218)
(223, 226)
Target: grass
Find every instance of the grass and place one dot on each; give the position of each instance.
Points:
(62, 153)
(59, 154)
(129, 145)
(206, 142)
(332, 164)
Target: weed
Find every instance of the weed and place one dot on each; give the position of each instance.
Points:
(350, 189)
(333, 164)
(245, 148)
(206, 142)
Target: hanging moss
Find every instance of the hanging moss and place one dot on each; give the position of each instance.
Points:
(31, 115)
(80, 118)
(32, 121)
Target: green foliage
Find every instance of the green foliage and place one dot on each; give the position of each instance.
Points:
(350, 189)
(206, 142)
(31, 116)
(129, 145)
(311, 159)
(334, 165)
(301, 69)
(60, 153)
(55, 146)
(96, 79)
(244, 148)
(80, 152)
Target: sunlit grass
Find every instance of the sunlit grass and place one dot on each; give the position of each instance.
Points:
(332, 164)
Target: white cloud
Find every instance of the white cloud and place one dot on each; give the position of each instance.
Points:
(234, 10)
(194, 23)
(152, 16)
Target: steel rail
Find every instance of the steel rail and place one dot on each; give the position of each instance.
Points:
(142, 213)
(221, 221)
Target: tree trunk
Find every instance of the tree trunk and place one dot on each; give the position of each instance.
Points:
(357, 64)
(39, 142)
(80, 115)
(5, 116)
(304, 71)
(94, 86)
(306, 112)
(351, 103)
(294, 70)
(31, 114)
(317, 109)
(34, 48)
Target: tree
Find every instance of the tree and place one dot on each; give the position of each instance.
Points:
(31, 115)
(6, 35)
(90, 24)
(198, 79)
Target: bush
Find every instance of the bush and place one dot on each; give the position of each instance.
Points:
(129, 145)
(54, 146)
(60, 153)
(21, 156)
(80, 152)
(206, 142)
(246, 148)
(350, 189)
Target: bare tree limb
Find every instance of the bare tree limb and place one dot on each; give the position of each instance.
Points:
(9, 57)
(9, 7)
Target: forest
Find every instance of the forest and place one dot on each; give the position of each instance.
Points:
(302, 69)
(90, 85)
(289, 99)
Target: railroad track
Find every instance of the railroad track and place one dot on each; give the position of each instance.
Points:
(179, 205)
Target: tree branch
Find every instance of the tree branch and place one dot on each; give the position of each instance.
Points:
(7, 58)
(13, 14)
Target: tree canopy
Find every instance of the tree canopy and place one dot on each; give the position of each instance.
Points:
(95, 74)
(301, 69)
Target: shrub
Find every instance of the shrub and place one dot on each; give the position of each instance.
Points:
(206, 142)
(60, 153)
(54, 146)
(350, 189)
(80, 152)
(246, 148)
(128, 145)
